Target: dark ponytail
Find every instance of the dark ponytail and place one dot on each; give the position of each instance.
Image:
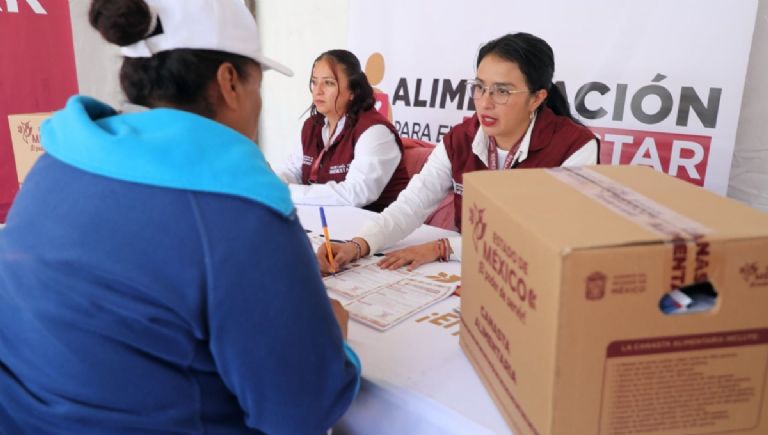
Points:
(536, 61)
(179, 78)
(557, 103)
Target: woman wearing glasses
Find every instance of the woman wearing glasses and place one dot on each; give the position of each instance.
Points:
(521, 121)
(351, 155)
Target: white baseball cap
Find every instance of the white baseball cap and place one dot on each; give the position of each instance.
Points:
(223, 25)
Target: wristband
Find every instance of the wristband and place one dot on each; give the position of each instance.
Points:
(358, 248)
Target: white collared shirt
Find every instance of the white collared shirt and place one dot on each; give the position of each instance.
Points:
(427, 189)
(377, 156)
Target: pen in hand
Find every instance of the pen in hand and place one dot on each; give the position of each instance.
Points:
(328, 247)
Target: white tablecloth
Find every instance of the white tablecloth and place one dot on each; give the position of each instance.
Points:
(416, 379)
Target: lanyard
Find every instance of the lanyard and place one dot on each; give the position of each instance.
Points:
(316, 166)
(315, 169)
(493, 155)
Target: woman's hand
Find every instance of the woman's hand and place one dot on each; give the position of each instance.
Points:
(343, 254)
(413, 256)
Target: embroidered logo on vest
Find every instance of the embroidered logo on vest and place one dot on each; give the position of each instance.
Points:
(307, 160)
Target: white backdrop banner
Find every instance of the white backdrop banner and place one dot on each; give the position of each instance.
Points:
(660, 82)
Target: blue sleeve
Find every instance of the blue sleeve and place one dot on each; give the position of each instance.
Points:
(273, 334)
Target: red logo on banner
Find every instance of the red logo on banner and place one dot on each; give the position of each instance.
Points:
(37, 72)
(374, 71)
(681, 155)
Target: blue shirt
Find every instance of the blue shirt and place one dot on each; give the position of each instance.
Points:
(155, 279)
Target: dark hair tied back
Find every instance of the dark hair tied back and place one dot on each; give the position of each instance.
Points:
(359, 87)
(121, 22)
(536, 61)
(179, 77)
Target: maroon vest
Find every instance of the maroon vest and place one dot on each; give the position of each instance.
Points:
(553, 139)
(335, 161)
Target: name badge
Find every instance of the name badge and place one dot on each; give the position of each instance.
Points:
(338, 169)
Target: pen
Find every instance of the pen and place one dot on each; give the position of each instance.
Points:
(327, 240)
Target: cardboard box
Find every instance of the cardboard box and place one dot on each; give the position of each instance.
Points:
(25, 137)
(563, 272)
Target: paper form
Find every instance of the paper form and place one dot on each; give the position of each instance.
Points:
(382, 298)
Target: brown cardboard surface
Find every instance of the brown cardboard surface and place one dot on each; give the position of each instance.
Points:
(512, 282)
(566, 217)
(594, 354)
(25, 137)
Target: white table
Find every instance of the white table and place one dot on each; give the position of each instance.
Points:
(416, 379)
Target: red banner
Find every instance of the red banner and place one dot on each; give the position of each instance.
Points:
(37, 71)
(683, 156)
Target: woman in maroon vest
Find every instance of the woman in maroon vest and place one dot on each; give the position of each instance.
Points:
(521, 121)
(351, 155)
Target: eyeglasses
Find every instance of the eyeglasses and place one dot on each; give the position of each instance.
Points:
(499, 93)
